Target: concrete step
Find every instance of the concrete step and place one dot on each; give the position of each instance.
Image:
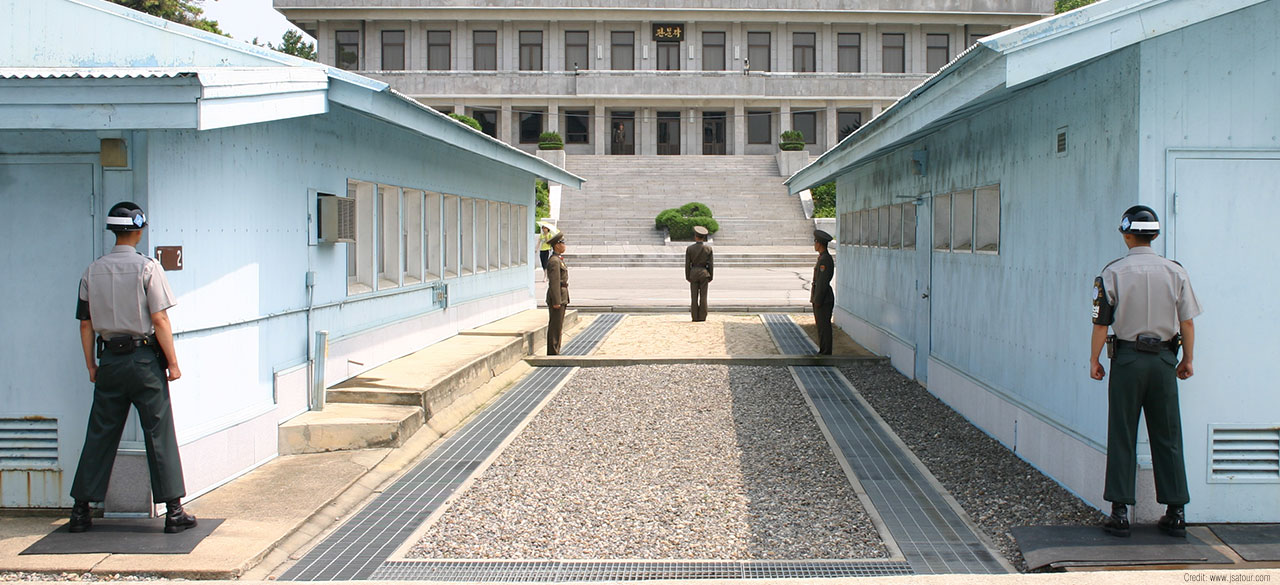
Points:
(677, 260)
(530, 326)
(341, 427)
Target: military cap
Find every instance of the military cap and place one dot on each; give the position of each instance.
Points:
(556, 239)
(702, 231)
(821, 236)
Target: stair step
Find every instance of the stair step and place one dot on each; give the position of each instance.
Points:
(343, 427)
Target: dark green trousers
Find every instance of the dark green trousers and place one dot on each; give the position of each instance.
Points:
(137, 380)
(1144, 383)
(822, 317)
(698, 299)
(555, 324)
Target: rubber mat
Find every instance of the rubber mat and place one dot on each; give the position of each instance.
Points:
(1084, 546)
(1253, 542)
(140, 536)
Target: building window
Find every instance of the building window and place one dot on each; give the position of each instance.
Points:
(522, 234)
(759, 127)
(622, 50)
(439, 50)
(576, 43)
(392, 50)
(452, 236)
(713, 51)
(413, 237)
(668, 56)
(894, 49)
(962, 221)
(849, 52)
(937, 51)
(942, 223)
(987, 219)
(488, 120)
(803, 52)
(493, 239)
(847, 123)
(758, 51)
(486, 50)
(467, 234)
(480, 238)
(807, 124)
(908, 226)
(435, 235)
(882, 221)
(389, 237)
(360, 252)
(347, 50)
(895, 226)
(866, 218)
(531, 50)
(530, 127)
(577, 127)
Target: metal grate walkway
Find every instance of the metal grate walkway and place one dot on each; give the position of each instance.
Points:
(580, 571)
(931, 534)
(358, 547)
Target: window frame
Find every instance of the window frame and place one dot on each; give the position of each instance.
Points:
(338, 45)
(804, 57)
(755, 116)
(525, 121)
(570, 47)
(668, 53)
(936, 56)
(402, 46)
(809, 137)
(962, 231)
(981, 236)
(754, 46)
(484, 49)
(629, 47)
(530, 50)
(712, 48)
(434, 45)
(900, 49)
(843, 48)
(942, 223)
(572, 137)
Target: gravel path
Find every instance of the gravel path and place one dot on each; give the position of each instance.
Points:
(996, 488)
(663, 462)
(14, 577)
(674, 334)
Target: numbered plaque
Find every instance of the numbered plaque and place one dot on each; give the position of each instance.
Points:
(170, 257)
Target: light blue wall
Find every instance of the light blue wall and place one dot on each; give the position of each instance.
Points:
(237, 201)
(1017, 322)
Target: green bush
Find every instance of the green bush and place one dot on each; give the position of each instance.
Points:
(543, 194)
(679, 221)
(824, 200)
(550, 141)
(468, 120)
(791, 136)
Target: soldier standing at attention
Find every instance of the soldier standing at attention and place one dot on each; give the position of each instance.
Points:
(557, 293)
(123, 313)
(1148, 302)
(699, 266)
(822, 297)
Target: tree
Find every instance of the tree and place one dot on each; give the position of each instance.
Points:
(1060, 6)
(180, 11)
(292, 43)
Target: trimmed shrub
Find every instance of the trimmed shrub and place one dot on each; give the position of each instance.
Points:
(680, 221)
(468, 120)
(791, 140)
(550, 141)
(824, 200)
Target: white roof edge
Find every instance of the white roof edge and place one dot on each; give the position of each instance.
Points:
(1033, 51)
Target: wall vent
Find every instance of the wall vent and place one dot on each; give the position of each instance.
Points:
(336, 218)
(1244, 455)
(1060, 147)
(28, 443)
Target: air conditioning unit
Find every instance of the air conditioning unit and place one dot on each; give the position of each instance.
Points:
(336, 219)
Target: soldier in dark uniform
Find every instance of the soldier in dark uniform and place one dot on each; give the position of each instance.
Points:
(557, 293)
(1148, 302)
(822, 297)
(123, 313)
(699, 268)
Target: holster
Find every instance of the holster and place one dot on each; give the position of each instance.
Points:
(1111, 347)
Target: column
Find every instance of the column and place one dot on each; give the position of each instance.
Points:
(827, 49)
(832, 126)
(739, 128)
(600, 128)
(418, 41)
(372, 49)
(553, 48)
(504, 123)
(553, 118)
(876, 108)
(915, 51)
(508, 48)
(784, 116)
(325, 51)
(872, 48)
(646, 131)
(462, 54)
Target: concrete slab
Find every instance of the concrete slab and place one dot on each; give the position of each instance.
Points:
(350, 426)
(759, 360)
(530, 325)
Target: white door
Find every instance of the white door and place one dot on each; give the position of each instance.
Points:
(1224, 233)
(44, 387)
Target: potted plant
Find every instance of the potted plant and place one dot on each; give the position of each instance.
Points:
(791, 140)
(550, 141)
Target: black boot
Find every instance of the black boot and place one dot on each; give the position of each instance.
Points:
(1117, 523)
(1174, 522)
(175, 520)
(81, 517)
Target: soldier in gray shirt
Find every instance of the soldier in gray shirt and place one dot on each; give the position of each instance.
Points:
(124, 323)
(1147, 301)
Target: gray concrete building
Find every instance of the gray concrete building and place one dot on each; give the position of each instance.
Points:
(660, 77)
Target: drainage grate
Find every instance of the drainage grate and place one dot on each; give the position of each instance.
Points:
(508, 571)
(358, 547)
(931, 534)
(791, 339)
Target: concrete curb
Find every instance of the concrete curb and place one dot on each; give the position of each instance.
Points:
(756, 360)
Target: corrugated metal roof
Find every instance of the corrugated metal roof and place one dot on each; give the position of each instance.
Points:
(91, 73)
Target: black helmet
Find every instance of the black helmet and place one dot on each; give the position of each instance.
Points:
(1140, 220)
(126, 216)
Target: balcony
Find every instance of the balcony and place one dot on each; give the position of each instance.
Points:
(649, 84)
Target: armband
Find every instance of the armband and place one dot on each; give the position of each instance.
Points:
(1103, 312)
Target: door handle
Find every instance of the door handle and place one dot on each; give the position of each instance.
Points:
(924, 296)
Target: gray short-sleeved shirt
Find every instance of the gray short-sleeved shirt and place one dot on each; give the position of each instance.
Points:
(121, 290)
(1151, 294)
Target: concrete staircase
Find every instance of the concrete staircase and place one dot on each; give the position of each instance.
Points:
(385, 406)
(623, 194)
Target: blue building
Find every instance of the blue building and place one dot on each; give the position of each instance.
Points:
(286, 197)
(976, 211)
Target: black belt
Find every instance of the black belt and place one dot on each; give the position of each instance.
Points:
(124, 344)
(1151, 346)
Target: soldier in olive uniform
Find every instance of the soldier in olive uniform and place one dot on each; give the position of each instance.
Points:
(699, 268)
(822, 297)
(557, 293)
(123, 313)
(1148, 302)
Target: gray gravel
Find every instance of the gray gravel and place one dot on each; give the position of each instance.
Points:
(13, 577)
(663, 462)
(994, 486)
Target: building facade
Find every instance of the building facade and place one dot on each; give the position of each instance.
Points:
(667, 77)
(975, 213)
(230, 149)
